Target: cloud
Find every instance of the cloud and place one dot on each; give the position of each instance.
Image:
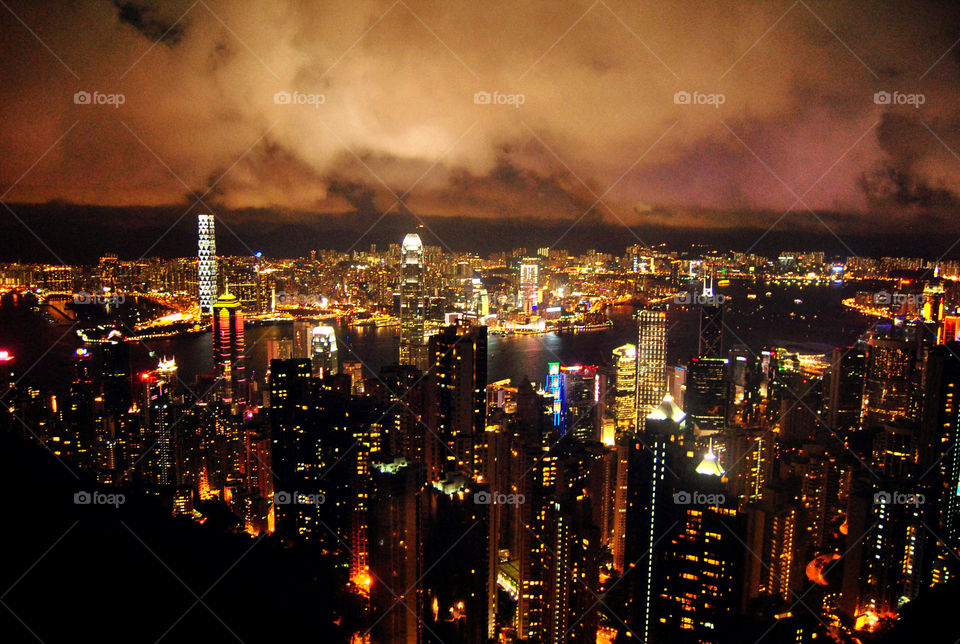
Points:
(396, 111)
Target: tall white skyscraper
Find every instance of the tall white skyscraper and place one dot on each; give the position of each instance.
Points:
(651, 362)
(529, 284)
(207, 263)
(413, 349)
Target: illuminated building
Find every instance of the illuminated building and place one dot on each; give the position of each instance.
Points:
(937, 455)
(556, 390)
(949, 329)
(323, 351)
(458, 354)
(413, 350)
(355, 371)
(843, 397)
(228, 349)
(207, 263)
(887, 384)
(772, 534)
(530, 285)
(293, 411)
(279, 349)
(698, 574)
(705, 397)
(396, 552)
(302, 331)
(159, 461)
(625, 406)
(654, 456)
(711, 323)
(577, 394)
(651, 361)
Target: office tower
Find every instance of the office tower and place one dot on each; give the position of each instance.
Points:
(459, 355)
(938, 457)
(396, 552)
(228, 348)
(711, 322)
(556, 391)
(705, 398)
(279, 349)
(355, 371)
(412, 315)
(887, 385)
(584, 401)
(529, 285)
(115, 372)
(323, 351)
(843, 397)
(159, 462)
(625, 405)
(293, 410)
(302, 333)
(698, 574)
(655, 454)
(651, 362)
(207, 263)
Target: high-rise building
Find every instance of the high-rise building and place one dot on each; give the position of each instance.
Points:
(159, 462)
(887, 386)
(302, 330)
(228, 349)
(323, 351)
(711, 323)
(530, 284)
(651, 361)
(207, 263)
(705, 397)
(844, 390)
(459, 356)
(412, 315)
(625, 397)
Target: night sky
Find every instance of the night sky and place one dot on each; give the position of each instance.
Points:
(584, 122)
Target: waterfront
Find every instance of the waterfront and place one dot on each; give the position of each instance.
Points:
(810, 315)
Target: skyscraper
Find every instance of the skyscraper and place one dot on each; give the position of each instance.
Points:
(529, 284)
(459, 356)
(323, 351)
(625, 406)
(412, 346)
(711, 322)
(206, 263)
(651, 362)
(228, 349)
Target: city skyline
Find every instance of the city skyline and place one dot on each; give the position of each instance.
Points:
(400, 322)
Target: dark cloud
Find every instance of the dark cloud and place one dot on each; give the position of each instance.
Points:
(147, 21)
